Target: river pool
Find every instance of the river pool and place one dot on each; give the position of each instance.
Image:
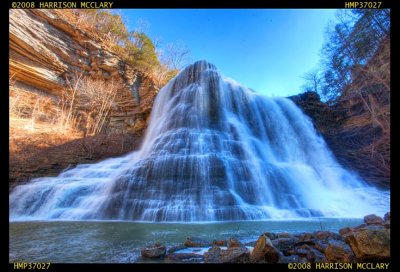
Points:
(120, 242)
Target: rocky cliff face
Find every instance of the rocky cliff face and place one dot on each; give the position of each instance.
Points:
(357, 142)
(47, 49)
(357, 126)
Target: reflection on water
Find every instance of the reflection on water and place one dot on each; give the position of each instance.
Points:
(120, 242)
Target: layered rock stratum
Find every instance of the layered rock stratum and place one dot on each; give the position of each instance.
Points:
(48, 48)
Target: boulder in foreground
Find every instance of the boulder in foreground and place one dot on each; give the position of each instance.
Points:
(154, 251)
(195, 242)
(264, 251)
(370, 242)
(239, 254)
(373, 219)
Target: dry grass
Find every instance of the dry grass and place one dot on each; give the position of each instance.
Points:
(84, 105)
(41, 152)
(33, 113)
(47, 130)
(25, 140)
(97, 97)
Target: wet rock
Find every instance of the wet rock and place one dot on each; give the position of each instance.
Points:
(326, 235)
(195, 242)
(374, 227)
(386, 219)
(321, 246)
(236, 255)
(386, 216)
(308, 252)
(338, 252)
(302, 251)
(251, 243)
(220, 242)
(213, 255)
(233, 242)
(264, 251)
(373, 219)
(306, 237)
(154, 251)
(184, 258)
(310, 242)
(315, 256)
(361, 226)
(371, 243)
(176, 248)
(231, 255)
(284, 244)
(290, 259)
(270, 235)
(345, 231)
(283, 235)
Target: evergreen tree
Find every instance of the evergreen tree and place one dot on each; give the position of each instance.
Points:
(349, 46)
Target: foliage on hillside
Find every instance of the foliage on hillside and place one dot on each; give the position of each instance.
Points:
(354, 79)
(73, 76)
(356, 64)
(135, 47)
(359, 45)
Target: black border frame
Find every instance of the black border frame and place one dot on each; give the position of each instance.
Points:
(284, 4)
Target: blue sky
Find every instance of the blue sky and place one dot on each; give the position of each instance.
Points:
(268, 50)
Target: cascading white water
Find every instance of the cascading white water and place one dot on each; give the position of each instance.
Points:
(214, 150)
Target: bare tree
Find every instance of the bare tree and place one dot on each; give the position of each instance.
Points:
(142, 26)
(64, 117)
(97, 97)
(175, 55)
(374, 76)
(313, 81)
(157, 41)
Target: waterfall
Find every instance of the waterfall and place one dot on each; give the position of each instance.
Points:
(214, 150)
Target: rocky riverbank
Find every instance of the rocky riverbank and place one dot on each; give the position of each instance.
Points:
(368, 242)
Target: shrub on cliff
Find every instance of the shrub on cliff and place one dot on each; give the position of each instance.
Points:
(105, 22)
(141, 53)
(135, 48)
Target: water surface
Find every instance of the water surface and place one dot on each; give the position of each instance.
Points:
(120, 242)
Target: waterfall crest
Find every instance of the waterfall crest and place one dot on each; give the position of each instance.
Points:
(214, 150)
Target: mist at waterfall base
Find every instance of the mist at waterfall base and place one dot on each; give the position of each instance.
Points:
(213, 151)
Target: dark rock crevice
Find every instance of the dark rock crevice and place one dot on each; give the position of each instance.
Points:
(355, 140)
